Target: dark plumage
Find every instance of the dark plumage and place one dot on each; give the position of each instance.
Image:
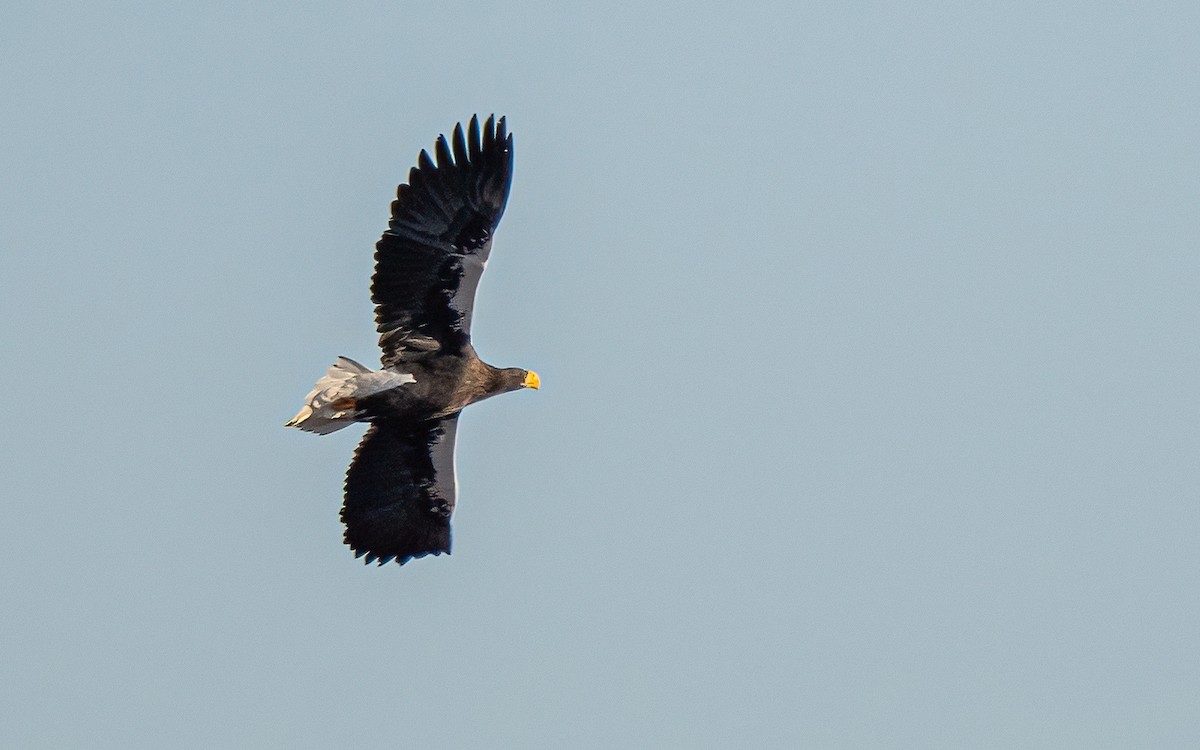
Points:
(400, 489)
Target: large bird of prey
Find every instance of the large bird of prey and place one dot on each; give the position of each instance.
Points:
(400, 488)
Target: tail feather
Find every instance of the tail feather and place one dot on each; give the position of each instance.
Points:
(311, 421)
(329, 406)
(344, 367)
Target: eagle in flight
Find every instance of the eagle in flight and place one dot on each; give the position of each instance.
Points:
(400, 488)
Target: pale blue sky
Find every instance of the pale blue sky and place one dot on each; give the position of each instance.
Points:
(868, 340)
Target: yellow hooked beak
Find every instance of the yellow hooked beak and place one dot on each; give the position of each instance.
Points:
(532, 380)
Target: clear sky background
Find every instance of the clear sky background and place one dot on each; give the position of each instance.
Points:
(868, 335)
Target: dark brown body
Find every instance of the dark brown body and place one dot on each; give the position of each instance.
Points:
(444, 385)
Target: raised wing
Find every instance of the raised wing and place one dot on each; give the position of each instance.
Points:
(400, 491)
(428, 262)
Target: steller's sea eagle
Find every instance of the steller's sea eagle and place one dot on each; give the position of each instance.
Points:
(400, 487)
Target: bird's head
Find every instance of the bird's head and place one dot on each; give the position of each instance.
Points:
(514, 378)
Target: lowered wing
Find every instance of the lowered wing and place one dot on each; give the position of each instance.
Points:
(400, 491)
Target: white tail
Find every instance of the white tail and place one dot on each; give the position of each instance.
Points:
(330, 405)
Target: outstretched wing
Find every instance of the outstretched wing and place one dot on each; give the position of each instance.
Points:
(400, 491)
(428, 262)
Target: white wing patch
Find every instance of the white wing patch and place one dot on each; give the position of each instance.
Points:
(441, 453)
(326, 406)
(463, 301)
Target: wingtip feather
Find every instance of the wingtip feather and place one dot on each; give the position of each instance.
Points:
(489, 132)
(473, 137)
(460, 145)
(444, 159)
